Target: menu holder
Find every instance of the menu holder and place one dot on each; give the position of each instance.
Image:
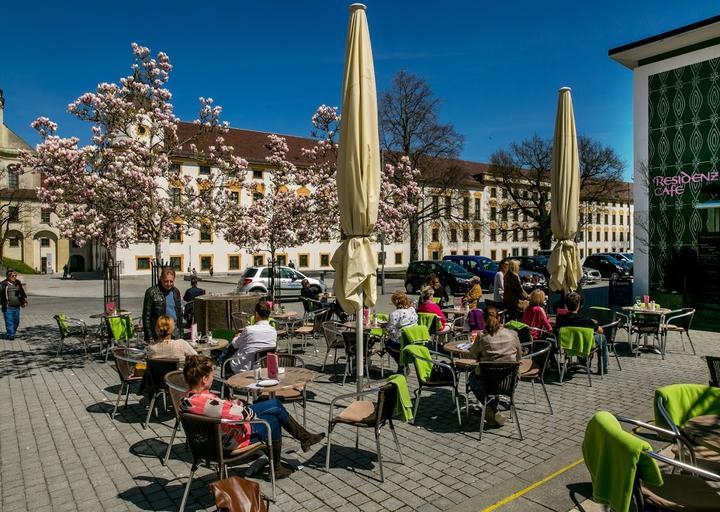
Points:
(272, 366)
(457, 302)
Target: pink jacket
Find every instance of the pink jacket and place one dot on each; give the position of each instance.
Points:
(535, 316)
(430, 307)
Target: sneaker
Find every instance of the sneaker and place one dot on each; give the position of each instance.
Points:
(11, 338)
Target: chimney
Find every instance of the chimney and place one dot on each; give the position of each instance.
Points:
(3, 131)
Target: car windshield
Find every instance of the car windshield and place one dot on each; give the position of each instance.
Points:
(613, 260)
(453, 268)
(628, 255)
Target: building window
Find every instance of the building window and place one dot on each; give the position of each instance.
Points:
(466, 235)
(453, 235)
(435, 255)
(325, 260)
(234, 197)
(175, 168)
(504, 215)
(477, 235)
(303, 260)
(515, 215)
(206, 263)
(606, 219)
(477, 208)
(435, 235)
(44, 242)
(524, 251)
(504, 253)
(525, 234)
(582, 253)
(493, 236)
(466, 208)
(476, 253)
(503, 236)
(205, 169)
(14, 242)
(615, 219)
(581, 236)
(622, 235)
(45, 216)
(590, 236)
(448, 207)
(258, 260)
(176, 263)
(281, 259)
(257, 175)
(622, 219)
(453, 253)
(516, 235)
(493, 213)
(177, 235)
(142, 263)
(398, 258)
(233, 262)
(606, 236)
(257, 196)
(175, 197)
(13, 178)
(435, 206)
(14, 214)
(614, 236)
(206, 233)
(493, 193)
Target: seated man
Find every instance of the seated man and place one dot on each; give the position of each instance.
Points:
(310, 291)
(259, 336)
(574, 319)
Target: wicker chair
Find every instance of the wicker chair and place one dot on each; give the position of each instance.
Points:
(155, 381)
(125, 361)
(177, 387)
(533, 366)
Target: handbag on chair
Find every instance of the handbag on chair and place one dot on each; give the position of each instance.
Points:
(235, 494)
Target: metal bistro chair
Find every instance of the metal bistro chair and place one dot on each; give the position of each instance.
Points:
(610, 323)
(291, 395)
(309, 308)
(125, 361)
(239, 320)
(499, 379)
(645, 324)
(534, 364)
(120, 330)
(678, 321)
(577, 342)
(350, 342)
(177, 387)
(71, 328)
(155, 380)
(205, 439)
(366, 414)
(334, 340)
(315, 329)
(226, 373)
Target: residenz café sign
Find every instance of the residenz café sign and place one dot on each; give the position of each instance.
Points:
(675, 185)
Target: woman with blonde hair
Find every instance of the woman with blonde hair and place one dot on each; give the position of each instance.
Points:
(403, 316)
(513, 291)
(427, 305)
(166, 347)
(535, 316)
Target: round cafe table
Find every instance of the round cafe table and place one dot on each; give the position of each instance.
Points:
(353, 325)
(705, 431)
(293, 377)
(283, 315)
(453, 312)
(460, 356)
(205, 347)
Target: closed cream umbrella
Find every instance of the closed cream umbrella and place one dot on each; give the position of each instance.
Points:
(358, 178)
(564, 264)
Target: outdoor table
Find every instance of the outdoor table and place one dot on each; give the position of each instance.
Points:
(292, 378)
(455, 312)
(353, 325)
(705, 431)
(634, 309)
(203, 347)
(283, 315)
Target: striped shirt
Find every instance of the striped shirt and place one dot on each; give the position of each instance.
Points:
(208, 404)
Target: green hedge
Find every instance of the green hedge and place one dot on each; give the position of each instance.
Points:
(18, 265)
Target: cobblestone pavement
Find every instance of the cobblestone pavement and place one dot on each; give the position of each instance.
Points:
(59, 449)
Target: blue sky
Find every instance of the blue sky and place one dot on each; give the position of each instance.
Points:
(495, 65)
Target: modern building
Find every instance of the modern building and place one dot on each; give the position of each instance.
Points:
(28, 234)
(676, 120)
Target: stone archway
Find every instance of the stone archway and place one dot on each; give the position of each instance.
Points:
(76, 263)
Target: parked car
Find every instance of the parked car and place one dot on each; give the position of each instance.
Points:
(453, 277)
(608, 266)
(590, 276)
(257, 280)
(630, 256)
(537, 264)
(483, 267)
(620, 256)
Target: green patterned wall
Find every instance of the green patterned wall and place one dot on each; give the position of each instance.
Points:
(683, 149)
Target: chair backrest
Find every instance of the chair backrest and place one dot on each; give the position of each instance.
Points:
(499, 378)
(386, 402)
(414, 334)
(125, 360)
(429, 320)
(120, 327)
(263, 353)
(350, 339)
(714, 367)
(240, 320)
(681, 317)
(203, 437)
(62, 325)
(156, 371)
(284, 360)
(331, 332)
(601, 315)
(307, 305)
(646, 323)
(321, 316)
(177, 387)
(576, 340)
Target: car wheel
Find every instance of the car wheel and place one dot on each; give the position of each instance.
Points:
(614, 276)
(257, 290)
(409, 288)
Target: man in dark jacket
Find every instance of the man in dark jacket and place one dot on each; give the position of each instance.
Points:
(12, 298)
(162, 299)
(191, 294)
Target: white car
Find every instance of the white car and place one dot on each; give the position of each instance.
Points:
(288, 281)
(590, 275)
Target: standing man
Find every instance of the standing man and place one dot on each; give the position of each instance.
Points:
(191, 294)
(162, 299)
(12, 298)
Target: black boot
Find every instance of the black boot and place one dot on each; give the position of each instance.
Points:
(281, 471)
(298, 432)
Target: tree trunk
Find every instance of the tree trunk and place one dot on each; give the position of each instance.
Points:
(158, 250)
(545, 233)
(414, 237)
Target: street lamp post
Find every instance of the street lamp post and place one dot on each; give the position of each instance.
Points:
(382, 265)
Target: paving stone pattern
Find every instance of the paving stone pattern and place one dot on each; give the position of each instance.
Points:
(60, 450)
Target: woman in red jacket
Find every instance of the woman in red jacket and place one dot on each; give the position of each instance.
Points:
(428, 306)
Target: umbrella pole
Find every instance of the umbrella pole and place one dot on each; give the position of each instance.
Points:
(360, 346)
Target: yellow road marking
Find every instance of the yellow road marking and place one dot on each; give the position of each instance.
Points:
(529, 488)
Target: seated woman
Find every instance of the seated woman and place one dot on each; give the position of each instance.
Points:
(440, 292)
(198, 372)
(474, 294)
(403, 316)
(496, 343)
(535, 316)
(166, 347)
(428, 306)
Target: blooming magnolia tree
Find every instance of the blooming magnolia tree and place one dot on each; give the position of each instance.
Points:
(123, 187)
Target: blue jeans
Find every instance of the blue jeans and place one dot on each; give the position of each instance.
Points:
(272, 411)
(477, 387)
(12, 320)
(601, 341)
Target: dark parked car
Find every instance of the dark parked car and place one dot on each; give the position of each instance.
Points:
(453, 277)
(608, 266)
(533, 273)
(483, 267)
